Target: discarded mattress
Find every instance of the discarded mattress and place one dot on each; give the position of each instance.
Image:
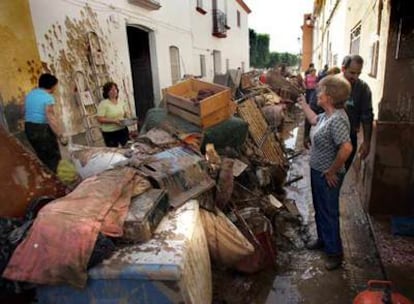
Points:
(173, 267)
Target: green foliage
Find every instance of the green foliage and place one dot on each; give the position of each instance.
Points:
(260, 57)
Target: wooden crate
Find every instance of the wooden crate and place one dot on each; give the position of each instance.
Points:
(205, 113)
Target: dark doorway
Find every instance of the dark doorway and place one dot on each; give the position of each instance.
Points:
(139, 52)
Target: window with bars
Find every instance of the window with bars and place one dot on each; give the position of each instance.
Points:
(373, 55)
(217, 62)
(175, 64)
(203, 65)
(355, 39)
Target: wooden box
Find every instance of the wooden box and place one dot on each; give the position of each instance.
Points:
(181, 101)
(145, 213)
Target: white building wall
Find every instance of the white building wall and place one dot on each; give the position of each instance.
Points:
(330, 39)
(347, 15)
(234, 47)
(61, 26)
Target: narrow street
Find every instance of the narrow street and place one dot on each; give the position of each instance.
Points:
(154, 153)
(301, 276)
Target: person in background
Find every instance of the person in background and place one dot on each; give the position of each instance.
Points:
(333, 71)
(310, 84)
(317, 109)
(262, 77)
(284, 70)
(311, 66)
(111, 112)
(331, 147)
(322, 73)
(358, 106)
(41, 126)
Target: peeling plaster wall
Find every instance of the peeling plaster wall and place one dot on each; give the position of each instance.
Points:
(61, 28)
(63, 46)
(393, 175)
(62, 38)
(19, 61)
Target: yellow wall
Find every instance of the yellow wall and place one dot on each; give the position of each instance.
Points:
(19, 59)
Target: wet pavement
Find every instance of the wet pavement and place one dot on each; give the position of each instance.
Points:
(300, 276)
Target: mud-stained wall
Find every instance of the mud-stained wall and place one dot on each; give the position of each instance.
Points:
(19, 60)
(393, 175)
(398, 100)
(65, 42)
(62, 27)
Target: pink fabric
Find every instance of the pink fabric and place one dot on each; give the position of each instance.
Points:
(61, 240)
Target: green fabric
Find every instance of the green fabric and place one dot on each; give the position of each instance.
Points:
(229, 133)
(110, 110)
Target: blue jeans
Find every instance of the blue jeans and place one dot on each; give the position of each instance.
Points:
(326, 205)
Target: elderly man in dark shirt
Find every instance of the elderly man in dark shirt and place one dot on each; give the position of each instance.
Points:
(358, 107)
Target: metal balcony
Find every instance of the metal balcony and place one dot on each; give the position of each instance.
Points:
(219, 24)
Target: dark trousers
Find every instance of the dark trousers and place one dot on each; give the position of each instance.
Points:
(116, 138)
(44, 142)
(310, 95)
(326, 205)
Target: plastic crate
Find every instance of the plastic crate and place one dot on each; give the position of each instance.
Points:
(402, 225)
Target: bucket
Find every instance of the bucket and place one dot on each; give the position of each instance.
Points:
(264, 255)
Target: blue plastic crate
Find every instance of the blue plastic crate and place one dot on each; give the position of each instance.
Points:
(402, 225)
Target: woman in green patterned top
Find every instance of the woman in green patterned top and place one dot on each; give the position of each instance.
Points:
(111, 112)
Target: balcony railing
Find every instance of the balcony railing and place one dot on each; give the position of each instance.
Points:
(148, 4)
(219, 24)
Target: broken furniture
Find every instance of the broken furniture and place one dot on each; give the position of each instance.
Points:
(173, 267)
(145, 213)
(180, 171)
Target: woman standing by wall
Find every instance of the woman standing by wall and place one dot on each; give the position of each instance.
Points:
(111, 112)
(41, 126)
(331, 147)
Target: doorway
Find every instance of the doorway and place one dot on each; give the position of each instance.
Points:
(139, 53)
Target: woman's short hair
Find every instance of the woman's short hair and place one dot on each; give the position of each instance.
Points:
(107, 87)
(47, 81)
(338, 88)
(334, 70)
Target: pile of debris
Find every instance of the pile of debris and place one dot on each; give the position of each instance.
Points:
(209, 143)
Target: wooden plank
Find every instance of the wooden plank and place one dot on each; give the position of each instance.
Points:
(183, 103)
(215, 118)
(181, 88)
(199, 84)
(215, 102)
(257, 128)
(184, 114)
